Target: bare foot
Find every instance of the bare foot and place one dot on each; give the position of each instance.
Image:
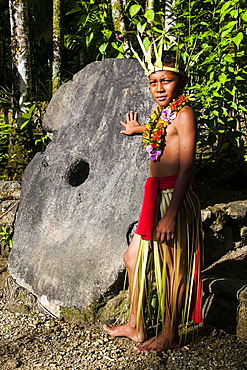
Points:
(157, 344)
(125, 330)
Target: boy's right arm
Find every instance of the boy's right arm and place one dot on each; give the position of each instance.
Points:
(132, 127)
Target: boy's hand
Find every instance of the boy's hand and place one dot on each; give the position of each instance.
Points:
(132, 125)
(165, 229)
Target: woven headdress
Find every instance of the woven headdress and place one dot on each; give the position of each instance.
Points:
(152, 54)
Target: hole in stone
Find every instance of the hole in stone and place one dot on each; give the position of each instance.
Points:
(78, 172)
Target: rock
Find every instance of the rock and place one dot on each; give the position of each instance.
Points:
(218, 236)
(116, 309)
(241, 329)
(7, 212)
(243, 234)
(3, 264)
(237, 211)
(217, 243)
(13, 364)
(81, 197)
(9, 198)
(230, 288)
(206, 215)
(228, 296)
(231, 266)
(10, 190)
(214, 217)
(9, 195)
(17, 307)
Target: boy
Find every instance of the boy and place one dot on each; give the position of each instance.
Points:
(170, 136)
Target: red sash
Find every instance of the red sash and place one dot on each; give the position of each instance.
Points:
(148, 213)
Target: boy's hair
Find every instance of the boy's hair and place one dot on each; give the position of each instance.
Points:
(169, 59)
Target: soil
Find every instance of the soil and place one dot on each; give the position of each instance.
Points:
(31, 339)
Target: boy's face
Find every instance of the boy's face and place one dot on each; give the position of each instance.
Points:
(166, 86)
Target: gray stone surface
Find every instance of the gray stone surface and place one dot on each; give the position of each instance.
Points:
(81, 197)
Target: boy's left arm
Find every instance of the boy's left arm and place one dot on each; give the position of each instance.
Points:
(186, 129)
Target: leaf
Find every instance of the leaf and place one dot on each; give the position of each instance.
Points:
(24, 124)
(134, 9)
(117, 47)
(83, 20)
(141, 27)
(31, 109)
(149, 14)
(107, 33)
(103, 47)
(234, 13)
(210, 58)
(225, 6)
(146, 43)
(179, 25)
(224, 111)
(74, 10)
(215, 113)
(120, 55)
(157, 30)
(228, 58)
(238, 38)
(215, 93)
(227, 28)
(222, 78)
(89, 38)
(240, 78)
(242, 108)
(244, 16)
(234, 106)
(225, 9)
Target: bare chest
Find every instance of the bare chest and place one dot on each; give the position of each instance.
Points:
(168, 162)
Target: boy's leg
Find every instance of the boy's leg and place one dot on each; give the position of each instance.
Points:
(129, 329)
(168, 337)
(177, 268)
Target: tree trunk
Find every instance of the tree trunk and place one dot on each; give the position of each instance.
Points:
(21, 61)
(170, 20)
(118, 21)
(56, 65)
(150, 5)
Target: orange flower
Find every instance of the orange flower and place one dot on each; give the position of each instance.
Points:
(155, 129)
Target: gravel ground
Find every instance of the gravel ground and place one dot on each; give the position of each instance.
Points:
(32, 339)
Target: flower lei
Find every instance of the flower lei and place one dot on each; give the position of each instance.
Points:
(155, 129)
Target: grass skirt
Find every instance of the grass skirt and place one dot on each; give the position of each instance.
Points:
(162, 268)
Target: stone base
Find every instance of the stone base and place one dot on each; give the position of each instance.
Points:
(225, 305)
(242, 316)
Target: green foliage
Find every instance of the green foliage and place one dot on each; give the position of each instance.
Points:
(216, 47)
(212, 38)
(94, 38)
(6, 234)
(21, 138)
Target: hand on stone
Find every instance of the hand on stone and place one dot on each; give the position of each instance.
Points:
(132, 125)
